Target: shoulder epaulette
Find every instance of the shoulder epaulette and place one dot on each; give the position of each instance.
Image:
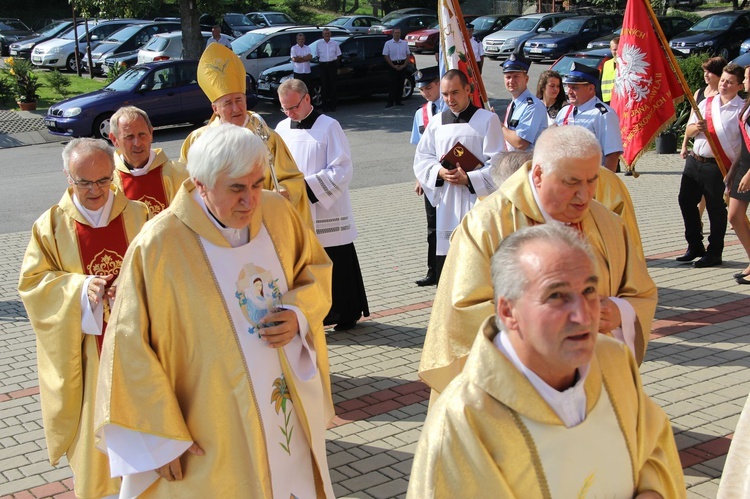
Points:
(601, 107)
(529, 100)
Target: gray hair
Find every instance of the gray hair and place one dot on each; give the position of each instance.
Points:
(509, 279)
(564, 142)
(86, 145)
(507, 164)
(130, 113)
(226, 148)
(293, 85)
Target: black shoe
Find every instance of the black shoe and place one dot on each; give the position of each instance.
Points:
(740, 275)
(707, 261)
(691, 254)
(428, 280)
(628, 173)
(345, 326)
(388, 105)
(742, 280)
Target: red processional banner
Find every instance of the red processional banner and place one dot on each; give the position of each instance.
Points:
(456, 49)
(646, 89)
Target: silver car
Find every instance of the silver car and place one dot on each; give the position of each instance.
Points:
(355, 24)
(514, 35)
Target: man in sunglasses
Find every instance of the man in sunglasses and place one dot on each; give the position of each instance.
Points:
(67, 284)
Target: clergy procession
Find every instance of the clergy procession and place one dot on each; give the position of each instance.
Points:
(187, 310)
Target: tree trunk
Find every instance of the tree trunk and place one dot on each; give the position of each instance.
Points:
(356, 6)
(192, 41)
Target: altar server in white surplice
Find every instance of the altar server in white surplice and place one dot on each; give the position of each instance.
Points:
(214, 381)
(320, 148)
(453, 191)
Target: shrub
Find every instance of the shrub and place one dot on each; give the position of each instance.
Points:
(115, 72)
(7, 92)
(58, 82)
(22, 79)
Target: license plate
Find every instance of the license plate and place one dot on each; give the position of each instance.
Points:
(50, 123)
(38, 60)
(412, 44)
(535, 51)
(262, 85)
(492, 49)
(14, 52)
(685, 51)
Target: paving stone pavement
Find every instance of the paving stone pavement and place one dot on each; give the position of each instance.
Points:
(696, 366)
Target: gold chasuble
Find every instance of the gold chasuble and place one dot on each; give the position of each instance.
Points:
(612, 192)
(52, 276)
(465, 298)
(173, 363)
(289, 176)
(157, 187)
(489, 434)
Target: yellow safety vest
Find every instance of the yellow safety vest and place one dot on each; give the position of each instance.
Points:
(608, 80)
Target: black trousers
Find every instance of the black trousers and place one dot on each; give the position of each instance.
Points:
(703, 179)
(348, 287)
(328, 76)
(431, 214)
(396, 87)
(305, 77)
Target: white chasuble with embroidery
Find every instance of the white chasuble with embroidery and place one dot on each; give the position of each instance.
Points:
(252, 281)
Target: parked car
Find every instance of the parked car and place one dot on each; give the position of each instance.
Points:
(11, 30)
(165, 46)
(684, 3)
(395, 14)
(23, 47)
(355, 24)
(484, 25)
(406, 24)
(232, 24)
(60, 52)
(513, 35)
(718, 34)
(362, 71)
(167, 90)
(266, 47)
(124, 44)
(428, 39)
(594, 58)
(263, 19)
(570, 34)
(670, 25)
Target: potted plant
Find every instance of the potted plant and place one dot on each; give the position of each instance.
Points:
(666, 141)
(24, 82)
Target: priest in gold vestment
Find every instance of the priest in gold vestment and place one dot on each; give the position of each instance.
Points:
(75, 253)
(559, 187)
(221, 76)
(215, 379)
(545, 405)
(144, 174)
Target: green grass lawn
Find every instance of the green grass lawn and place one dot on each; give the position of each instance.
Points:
(48, 96)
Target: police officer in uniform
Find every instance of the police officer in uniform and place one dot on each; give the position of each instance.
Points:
(428, 83)
(526, 115)
(585, 109)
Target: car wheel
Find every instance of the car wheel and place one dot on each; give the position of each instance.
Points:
(316, 95)
(100, 130)
(724, 52)
(408, 88)
(70, 63)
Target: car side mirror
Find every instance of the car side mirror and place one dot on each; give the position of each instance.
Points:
(587, 30)
(143, 88)
(94, 38)
(541, 29)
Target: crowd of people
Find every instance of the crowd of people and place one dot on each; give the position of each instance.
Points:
(154, 286)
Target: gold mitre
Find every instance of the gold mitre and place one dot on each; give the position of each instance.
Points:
(220, 72)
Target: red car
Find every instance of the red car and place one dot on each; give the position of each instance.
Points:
(428, 39)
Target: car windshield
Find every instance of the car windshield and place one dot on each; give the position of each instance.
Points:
(70, 34)
(392, 16)
(156, 44)
(9, 25)
(53, 27)
(124, 34)
(521, 24)
(279, 18)
(238, 20)
(127, 81)
(568, 26)
(339, 21)
(713, 23)
(247, 41)
(483, 22)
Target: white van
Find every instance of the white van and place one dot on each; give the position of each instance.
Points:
(60, 52)
(165, 46)
(262, 48)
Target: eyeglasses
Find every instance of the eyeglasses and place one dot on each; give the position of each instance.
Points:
(293, 108)
(102, 183)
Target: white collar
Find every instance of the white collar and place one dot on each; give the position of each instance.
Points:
(235, 237)
(96, 218)
(139, 172)
(569, 405)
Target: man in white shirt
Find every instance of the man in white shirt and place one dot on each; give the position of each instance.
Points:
(396, 53)
(328, 53)
(301, 56)
(702, 177)
(526, 115)
(218, 37)
(476, 46)
(546, 406)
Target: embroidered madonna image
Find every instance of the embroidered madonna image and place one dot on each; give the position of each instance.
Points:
(258, 294)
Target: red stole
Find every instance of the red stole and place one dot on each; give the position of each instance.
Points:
(148, 189)
(102, 250)
(425, 114)
(712, 132)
